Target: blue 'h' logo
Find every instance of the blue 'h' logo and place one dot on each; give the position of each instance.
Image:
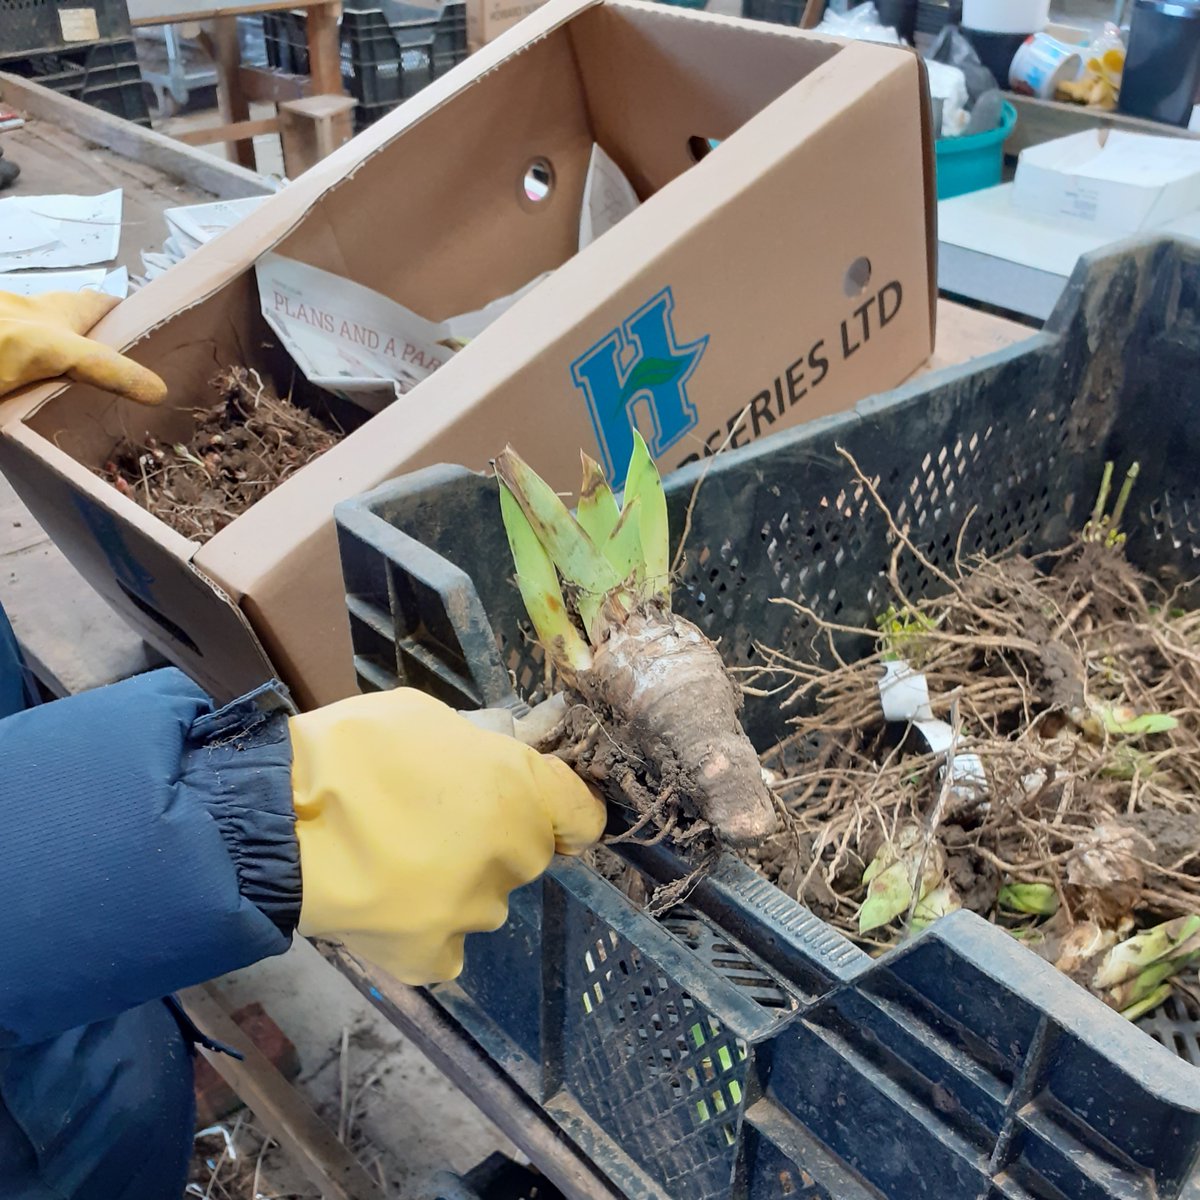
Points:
(639, 367)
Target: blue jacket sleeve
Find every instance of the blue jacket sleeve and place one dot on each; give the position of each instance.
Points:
(147, 842)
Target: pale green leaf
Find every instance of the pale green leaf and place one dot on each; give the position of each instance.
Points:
(540, 590)
(888, 896)
(1122, 721)
(570, 549)
(623, 549)
(1171, 941)
(1036, 899)
(643, 483)
(939, 902)
(597, 511)
(1148, 1003)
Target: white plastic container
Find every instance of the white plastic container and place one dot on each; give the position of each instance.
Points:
(1041, 64)
(1006, 16)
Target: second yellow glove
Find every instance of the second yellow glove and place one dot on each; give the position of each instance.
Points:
(41, 337)
(414, 825)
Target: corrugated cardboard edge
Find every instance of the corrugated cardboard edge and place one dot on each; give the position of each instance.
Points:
(226, 258)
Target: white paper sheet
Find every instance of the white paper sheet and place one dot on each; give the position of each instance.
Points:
(194, 224)
(608, 197)
(189, 227)
(59, 231)
(37, 283)
(360, 345)
(354, 342)
(27, 231)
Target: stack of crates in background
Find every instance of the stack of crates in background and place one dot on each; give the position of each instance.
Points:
(931, 15)
(86, 53)
(389, 52)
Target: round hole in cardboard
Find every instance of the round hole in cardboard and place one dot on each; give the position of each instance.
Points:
(858, 275)
(538, 181)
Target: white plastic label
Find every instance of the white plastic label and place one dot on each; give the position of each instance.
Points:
(78, 24)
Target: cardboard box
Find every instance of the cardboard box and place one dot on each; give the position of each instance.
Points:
(785, 276)
(488, 19)
(1123, 182)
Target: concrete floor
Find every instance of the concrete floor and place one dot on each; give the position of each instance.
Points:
(403, 1110)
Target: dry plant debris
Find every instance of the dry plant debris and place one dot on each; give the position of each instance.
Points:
(243, 447)
(1075, 682)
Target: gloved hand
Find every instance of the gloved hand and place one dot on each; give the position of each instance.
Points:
(41, 337)
(414, 825)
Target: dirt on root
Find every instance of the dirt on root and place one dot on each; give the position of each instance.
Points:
(1074, 680)
(243, 446)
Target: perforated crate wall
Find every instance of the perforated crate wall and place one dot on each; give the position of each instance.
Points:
(959, 1065)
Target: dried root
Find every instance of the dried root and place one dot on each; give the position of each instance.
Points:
(1076, 684)
(242, 448)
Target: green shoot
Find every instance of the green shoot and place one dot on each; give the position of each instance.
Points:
(889, 894)
(1122, 721)
(612, 559)
(597, 512)
(1171, 940)
(1102, 527)
(1147, 1003)
(937, 903)
(901, 632)
(540, 590)
(1123, 499)
(624, 547)
(1135, 974)
(1097, 518)
(1033, 899)
(570, 549)
(643, 484)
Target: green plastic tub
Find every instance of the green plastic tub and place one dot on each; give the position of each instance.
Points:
(966, 164)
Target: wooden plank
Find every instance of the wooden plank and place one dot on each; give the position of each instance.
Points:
(165, 156)
(965, 333)
(448, 1046)
(235, 109)
(312, 129)
(287, 1116)
(53, 159)
(262, 85)
(324, 50)
(240, 132)
(1044, 120)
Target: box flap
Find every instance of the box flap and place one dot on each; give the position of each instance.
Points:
(133, 562)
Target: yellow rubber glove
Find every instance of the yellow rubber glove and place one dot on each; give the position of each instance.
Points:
(414, 825)
(41, 337)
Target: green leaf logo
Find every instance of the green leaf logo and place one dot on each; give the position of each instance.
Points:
(651, 373)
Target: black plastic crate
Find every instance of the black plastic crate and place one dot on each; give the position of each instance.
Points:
(496, 1178)
(381, 66)
(285, 40)
(450, 37)
(934, 15)
(43, 26)
(781, 12)
(740, 1047)
(388, 52)
(104, 75)
(365, 115)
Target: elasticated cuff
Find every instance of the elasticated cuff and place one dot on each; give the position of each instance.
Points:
(239, 762)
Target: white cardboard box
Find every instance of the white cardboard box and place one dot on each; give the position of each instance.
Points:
(1123, 182)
